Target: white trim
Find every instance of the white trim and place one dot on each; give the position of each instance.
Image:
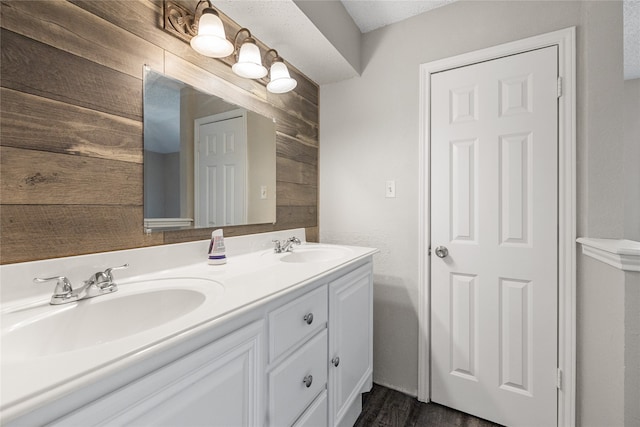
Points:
(424, 238)
(619, 253)
(565, 40)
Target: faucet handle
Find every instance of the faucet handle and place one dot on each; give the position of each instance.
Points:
(290, 242)
(101, 277)
(104, 279)
(63, 286)
(108, 271)
(277, 246)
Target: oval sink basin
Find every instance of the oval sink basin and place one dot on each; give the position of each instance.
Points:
(135, 308)
(313, 253)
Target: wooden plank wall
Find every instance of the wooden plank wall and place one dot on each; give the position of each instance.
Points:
(71, 127)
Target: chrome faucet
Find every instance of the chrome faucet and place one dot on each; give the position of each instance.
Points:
(285, 245)
(99, 283)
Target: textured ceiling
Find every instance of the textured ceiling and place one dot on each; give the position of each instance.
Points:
(631, 39)
(283, 25)
(371, 14)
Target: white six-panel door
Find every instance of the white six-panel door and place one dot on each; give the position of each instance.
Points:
(221, 172)
(494, 180)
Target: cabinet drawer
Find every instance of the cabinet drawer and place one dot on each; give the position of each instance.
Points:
(296, 321)
(289, 396)
(316, 415)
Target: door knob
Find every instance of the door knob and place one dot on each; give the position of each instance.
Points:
(442, 251)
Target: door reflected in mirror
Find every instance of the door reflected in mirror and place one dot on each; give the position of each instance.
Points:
(207, 162)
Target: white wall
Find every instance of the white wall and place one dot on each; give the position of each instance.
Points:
(600, 344)
(369, 134)
(601, 190)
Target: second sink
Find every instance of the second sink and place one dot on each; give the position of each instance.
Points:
(315, 253)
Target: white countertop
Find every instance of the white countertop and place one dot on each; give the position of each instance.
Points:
(247, 280)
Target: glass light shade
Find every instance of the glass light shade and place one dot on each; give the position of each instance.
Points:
(211, 40)
(249, 63)
(281, 81)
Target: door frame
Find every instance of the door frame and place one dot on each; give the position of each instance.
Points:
(565, 40)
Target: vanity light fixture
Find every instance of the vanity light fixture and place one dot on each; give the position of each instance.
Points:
(210, 39)
(281, 81)
(204, 30)
(248, 62)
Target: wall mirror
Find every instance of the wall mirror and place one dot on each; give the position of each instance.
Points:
(207, 162)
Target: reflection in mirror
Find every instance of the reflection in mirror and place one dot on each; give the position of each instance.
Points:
(207, 163)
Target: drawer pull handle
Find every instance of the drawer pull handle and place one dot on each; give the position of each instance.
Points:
(308, 380)
(335, 361)
(308, 318)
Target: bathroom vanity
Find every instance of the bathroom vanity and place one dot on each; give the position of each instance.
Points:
(265, 340)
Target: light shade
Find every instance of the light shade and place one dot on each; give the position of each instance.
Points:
(281, 81)
(249, 63)
(211, 40)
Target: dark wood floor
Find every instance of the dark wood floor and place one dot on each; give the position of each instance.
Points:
(390, 408)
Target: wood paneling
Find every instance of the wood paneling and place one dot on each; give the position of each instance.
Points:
(290, 194)
(37, 123)
(290, 148)
(71, 127)
(313, 234)
(41, 178)
(295, 216)
(296, 172)
(146, 20)
(81, 33)
(49, 231)
(40, 69)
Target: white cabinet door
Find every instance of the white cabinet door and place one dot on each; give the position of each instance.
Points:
(219, 385)
(350, 343)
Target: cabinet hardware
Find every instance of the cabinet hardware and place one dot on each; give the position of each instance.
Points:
(308, 380)
(335, 361)
(308, 318)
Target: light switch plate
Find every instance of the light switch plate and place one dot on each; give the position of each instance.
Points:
(390, 189)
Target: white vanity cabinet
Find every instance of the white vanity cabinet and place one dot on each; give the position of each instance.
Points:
(300, 357)
(219, 384)
(350, 344)
(337, 353)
